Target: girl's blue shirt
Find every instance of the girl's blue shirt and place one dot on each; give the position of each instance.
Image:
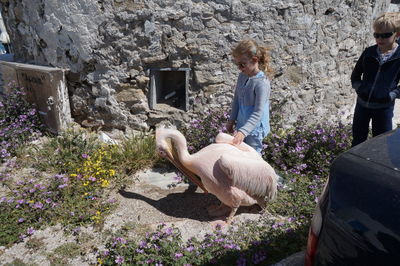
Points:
(250, 106)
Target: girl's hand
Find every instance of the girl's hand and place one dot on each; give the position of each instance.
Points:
(238, 138)
(229, 126)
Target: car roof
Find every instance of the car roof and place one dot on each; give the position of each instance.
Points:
(383, 149)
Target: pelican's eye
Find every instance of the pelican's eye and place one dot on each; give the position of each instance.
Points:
(162, 153)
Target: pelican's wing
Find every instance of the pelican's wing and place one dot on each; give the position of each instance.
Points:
(254, 176)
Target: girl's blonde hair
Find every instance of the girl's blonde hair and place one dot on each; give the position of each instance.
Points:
(251, 48)
(388, 21)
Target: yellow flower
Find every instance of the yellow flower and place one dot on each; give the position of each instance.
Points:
(73, 175)
(104, 183)
(112, 172)
(31, 201)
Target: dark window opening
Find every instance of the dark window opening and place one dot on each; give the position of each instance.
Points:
(169, 86)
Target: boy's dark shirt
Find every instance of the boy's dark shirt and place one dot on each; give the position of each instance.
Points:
(377, 80)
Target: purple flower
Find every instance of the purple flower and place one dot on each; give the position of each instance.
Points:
(85, 156)
(21, 220)
(92, 178)
(178, 255)
(59, 176)
(120, 240)
(190, 248)
(119, 260)
(178, 178)
(168, 231)
(259, 257)
(231, 246)
(38, 205)
(30, 231)
(142, 244)
(62, 186)
(241, 262)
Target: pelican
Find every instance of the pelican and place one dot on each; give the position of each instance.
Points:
(236, 175)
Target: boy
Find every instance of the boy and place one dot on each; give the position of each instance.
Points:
(375, 79)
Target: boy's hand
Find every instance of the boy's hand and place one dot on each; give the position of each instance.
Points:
(238, 138)
(392, 95)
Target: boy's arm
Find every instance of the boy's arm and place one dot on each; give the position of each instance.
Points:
(395, 93)
(357, 72)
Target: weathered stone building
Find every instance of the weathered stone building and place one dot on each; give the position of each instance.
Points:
(112, 48)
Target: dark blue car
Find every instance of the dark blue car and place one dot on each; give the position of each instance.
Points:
(357, 219)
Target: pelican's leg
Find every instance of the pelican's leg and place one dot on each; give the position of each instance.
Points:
(220, 210)
(231, 214)
(262, 203)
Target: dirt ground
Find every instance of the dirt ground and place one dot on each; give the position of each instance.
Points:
(142, 206)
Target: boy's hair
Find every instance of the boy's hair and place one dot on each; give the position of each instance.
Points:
(388, 21)
(251, 48)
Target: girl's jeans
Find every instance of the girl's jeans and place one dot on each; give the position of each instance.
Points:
(254, 142)
(381, 122)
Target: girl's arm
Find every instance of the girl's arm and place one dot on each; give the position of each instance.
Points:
(235, 107)
(262, 91)
(235, 104)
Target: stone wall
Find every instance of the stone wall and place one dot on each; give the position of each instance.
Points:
(110, 45)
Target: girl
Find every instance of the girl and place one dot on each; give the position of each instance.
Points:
(250, 106)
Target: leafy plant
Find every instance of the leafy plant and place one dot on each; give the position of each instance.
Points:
(202, 132)
(306, 149)
(60, 154)
(134, 153)
(19, 123)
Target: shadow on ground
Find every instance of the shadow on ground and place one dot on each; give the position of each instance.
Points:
(187, 205)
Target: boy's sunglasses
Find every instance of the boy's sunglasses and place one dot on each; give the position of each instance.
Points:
(383, 35)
